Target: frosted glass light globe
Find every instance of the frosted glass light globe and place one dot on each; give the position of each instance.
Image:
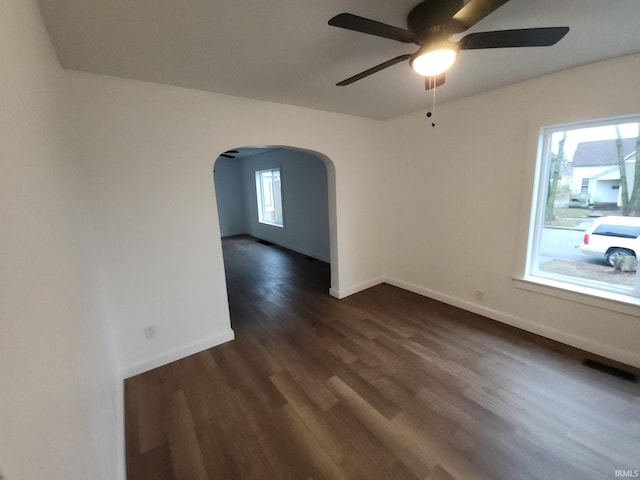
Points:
(434, 62)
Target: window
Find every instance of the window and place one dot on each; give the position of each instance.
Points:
(586, 208)
(269, 197)
(585, 186)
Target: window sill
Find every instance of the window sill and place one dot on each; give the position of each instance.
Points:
(270, 224)
(615, 302)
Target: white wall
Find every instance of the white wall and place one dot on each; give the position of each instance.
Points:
(59, 396)
(304, 201)
(460, 202)
(230, 196)
(148, 155)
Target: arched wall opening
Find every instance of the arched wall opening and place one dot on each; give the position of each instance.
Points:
(308, 195)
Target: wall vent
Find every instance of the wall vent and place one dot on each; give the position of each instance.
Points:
(608, 369)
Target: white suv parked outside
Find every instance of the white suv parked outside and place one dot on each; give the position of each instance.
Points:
(611, 237)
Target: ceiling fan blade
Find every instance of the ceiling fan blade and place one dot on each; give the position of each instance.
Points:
(364, 25)
(476, 10)
(231, 151)
(226, 156)
(433, 82)
(525, 37)
(373, 70)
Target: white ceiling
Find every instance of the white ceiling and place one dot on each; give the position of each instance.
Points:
(284, 51)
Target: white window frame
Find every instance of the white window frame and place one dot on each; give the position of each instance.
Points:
(615, 298)
(261, 197)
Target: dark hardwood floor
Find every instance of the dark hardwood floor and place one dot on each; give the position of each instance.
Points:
(384, 384)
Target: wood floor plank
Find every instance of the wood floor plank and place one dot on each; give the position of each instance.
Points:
(150, 400)
(258, 445)
(155, 463)
(412, 454)
(336, 448)
(186, 454)
(132, 416)
(384, 384)
(316, 390)
(240, 372)
(308, 446)
(368, 453)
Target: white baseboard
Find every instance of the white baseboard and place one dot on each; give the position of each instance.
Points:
(293, 248)
(177, 354)
(232, 234)
(342, 293)
(586, 344)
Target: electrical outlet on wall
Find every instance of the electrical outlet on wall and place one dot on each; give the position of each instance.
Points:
(150, 332)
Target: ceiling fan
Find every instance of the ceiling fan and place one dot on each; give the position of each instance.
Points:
(229, 154)
(431, 23)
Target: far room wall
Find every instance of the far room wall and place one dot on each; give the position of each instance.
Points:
(304, 198)
(230, 196)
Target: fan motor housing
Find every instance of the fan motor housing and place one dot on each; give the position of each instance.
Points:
(433, 18)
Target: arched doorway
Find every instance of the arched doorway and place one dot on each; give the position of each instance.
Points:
(308, 199)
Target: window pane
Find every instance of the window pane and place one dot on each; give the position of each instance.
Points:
(588, 206)
(269, 197)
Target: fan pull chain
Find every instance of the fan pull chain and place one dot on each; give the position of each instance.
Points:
(432, 99)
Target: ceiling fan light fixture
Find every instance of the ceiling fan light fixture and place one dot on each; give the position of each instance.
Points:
(434, 60)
